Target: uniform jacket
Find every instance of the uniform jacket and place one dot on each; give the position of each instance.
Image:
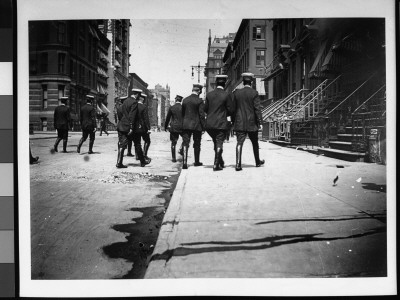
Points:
(88, 117)
(128, 112)
(142, 124)
(218, 107)
(247, 110)
(193, 113)
(62, 117)
(175, 116)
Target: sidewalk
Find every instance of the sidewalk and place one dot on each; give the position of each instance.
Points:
(282, 220)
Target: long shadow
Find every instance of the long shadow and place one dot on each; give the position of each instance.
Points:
(322, 219)
(267, 242)
(374, 187)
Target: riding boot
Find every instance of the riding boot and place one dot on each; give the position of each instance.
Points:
(217, 157)
(140, 156)
(239, 157)
(146, 149)
(181, 150)
(136, 154)
(65, 146)
(256, 152)
(91, 147)
(185, 157)
(78, 149)
(221, 160)
(56, 144)
(173, 153)
(129, 149)
(197, 162)
(120, 158)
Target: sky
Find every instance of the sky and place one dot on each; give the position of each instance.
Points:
(164, 50)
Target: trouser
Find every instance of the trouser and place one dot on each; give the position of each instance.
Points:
(85, 134)
(137, 139)
(187, 134)
(253, 136)
(218, 137)
(62, 134)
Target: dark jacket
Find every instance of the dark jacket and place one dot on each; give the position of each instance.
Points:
(175, 115)
(193, 116)
(88, 117)
(128, 112)
(247, 110)
(62, 117)
(142, 124)
(218, 107)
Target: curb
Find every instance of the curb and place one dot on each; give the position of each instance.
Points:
(168, 230)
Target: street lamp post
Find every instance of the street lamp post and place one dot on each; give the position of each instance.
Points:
(198, 69)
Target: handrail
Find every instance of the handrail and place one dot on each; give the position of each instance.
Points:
(368, 99)
(274, 105)
(317, 94)
(309, 95)
(351, 94)
(294, 94)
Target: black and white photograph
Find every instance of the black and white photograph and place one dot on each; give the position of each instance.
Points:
(221, 148)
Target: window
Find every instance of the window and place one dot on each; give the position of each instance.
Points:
(61, 93)
(44, 96)
(260, 57)
(61, 63)
(44, 62)
(258, 33)
(218, 64)
(61, 32)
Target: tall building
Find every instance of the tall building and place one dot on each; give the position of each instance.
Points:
(75, 58)
(215, 53)
(164, 102)
(250, 51)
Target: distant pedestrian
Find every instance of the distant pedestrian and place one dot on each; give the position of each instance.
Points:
(103, 124)
(218, 107)
(247, 119)
(193, 118)
(175, 116)
(88, 124)
(143, 125)
(62, 122)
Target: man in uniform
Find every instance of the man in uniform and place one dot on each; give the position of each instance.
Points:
(88, 124)
(62, 122)
(175, 116)
(218, 107)
(193, 119)
(247, 119)
(142, 128)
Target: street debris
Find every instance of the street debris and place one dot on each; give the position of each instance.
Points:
(359, 179)
(127, 177)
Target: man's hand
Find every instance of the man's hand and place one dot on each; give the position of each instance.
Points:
(94, 130)
(130, 132)
(166, 129)
(260, 127)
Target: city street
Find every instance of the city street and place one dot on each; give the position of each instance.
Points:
(90, 220)
(285, 219)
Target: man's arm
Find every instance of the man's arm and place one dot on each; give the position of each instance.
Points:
(202, 115)
(167, 119)
(257, 110)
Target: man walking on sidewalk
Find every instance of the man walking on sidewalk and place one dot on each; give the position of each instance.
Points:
(62, 122)
(175, 116)
(193, 124)
(247, 119)
(218, 107)
(88, 124)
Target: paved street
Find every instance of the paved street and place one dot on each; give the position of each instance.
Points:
(90, 220)
(283, 220)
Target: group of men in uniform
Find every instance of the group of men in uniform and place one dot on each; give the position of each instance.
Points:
(188, 117)
(192, 116)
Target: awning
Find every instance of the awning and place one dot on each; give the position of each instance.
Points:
(116, 64)
(275, 72)
(104, 109)
(325, 65)
(117, 50)
(100, 89)
(103, 57)
(317, 59)
(101, 72)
